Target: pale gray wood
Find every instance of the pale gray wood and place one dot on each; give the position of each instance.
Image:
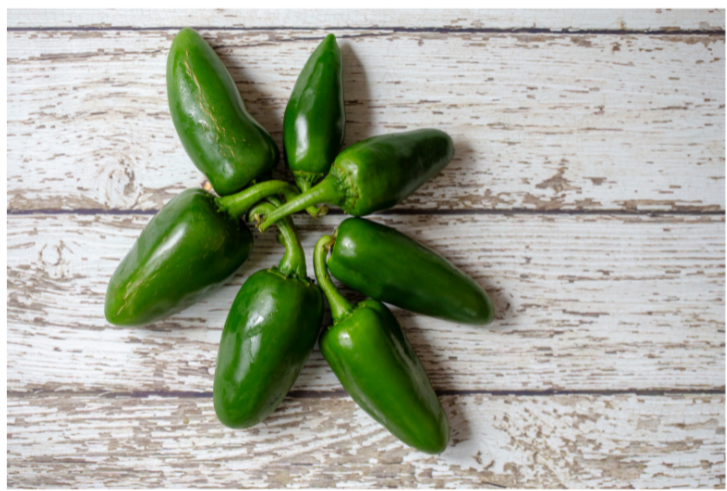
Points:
(555, 19)
(542, 122)
(587, 303)
(541, 442)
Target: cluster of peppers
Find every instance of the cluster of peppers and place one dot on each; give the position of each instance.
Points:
(198, 241)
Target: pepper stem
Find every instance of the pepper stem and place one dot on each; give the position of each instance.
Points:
(317, 212)
(302, 184)
(327, 191)
(236, 205)
(340, 307)
(293, 261)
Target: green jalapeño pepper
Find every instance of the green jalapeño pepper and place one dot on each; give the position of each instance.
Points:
(385, 264)
(269, 334)
(315, 119)
(371, 356)
(367, 177)
(187, 251)
(376, 174)
(223, 140)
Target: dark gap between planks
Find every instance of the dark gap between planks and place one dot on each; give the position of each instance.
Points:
(406, 211)
(313, 394)
(437, 30)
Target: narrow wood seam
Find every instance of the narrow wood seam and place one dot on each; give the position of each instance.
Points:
(406, 211)
(313, 394)
(437, 30)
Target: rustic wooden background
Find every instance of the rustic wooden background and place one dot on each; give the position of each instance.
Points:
(587, 195)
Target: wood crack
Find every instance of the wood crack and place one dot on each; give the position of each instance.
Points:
(387, 30)
(510, 211)
(334, 394)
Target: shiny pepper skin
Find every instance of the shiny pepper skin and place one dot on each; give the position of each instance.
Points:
(372, 358)
(315, 119)
(269, 334)
(187, 251)
(376, 174)
(223, 140)
(385, 264)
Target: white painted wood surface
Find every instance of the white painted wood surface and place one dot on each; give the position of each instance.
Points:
(591, 19)
(539, 121)
(584, 303)
(513, 441)
(587, 196)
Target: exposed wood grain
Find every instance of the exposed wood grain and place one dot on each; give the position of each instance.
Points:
(614, 118)
(643, 19)
(542, 442)
(541, 122)
(584, 303)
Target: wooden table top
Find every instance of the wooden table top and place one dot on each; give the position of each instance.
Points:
(587, 195)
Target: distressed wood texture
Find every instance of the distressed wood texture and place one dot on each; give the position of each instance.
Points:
(540, 121)
(587, 196)
(577, 20)
(562, 441)
(584, 303)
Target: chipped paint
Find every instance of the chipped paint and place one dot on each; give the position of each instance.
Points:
(550, 122)
(514, 129)
(502, 441)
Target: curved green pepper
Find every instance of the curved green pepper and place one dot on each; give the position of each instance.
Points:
(370, 176)
(385, 264)
(371, 356)
(223, 140)
(269, 334)
(187, 251)
(376, 174)
(315, 120)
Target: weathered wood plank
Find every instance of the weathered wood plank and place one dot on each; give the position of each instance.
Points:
(544, 442)
(587, 303)
(643, 19)
(540, 121)
(544, 122)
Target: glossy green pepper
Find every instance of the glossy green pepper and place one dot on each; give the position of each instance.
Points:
(315, 120)
(376, 174)
(269, 334)
(385, 264)
(372, 358)
(370, 176)
(187, 251)
(223, 140)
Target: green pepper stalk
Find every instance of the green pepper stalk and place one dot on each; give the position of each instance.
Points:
(293, 261)
(186, 252)
(340, 307)
(372, 358)
(269, 334)
(237, 205)
(385, 264)
(315, 119)
(376, 174)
